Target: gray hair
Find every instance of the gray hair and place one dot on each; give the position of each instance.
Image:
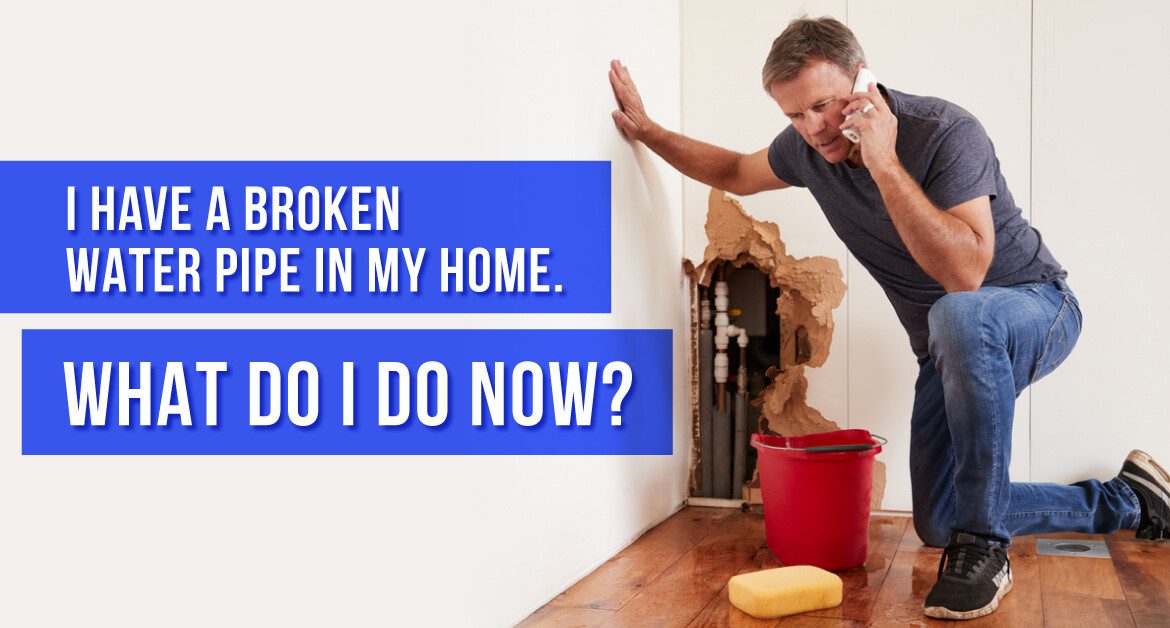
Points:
(808, 39)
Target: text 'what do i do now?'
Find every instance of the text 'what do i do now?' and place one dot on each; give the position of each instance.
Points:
(101, 394)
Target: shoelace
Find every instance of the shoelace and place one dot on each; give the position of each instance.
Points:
(962, 561)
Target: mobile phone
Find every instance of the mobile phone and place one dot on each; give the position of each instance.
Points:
(865, 76)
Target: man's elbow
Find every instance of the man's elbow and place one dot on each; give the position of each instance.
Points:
(740, 190)
(739, 187)
(963, 285)
(969, 280)
(738, 179)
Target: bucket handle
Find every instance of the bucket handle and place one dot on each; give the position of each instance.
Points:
(825, 449)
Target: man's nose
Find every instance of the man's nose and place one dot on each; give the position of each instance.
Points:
(816, 123)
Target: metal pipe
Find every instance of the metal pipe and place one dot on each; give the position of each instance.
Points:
(740, 454)
(706, 452)
(739, 459)
(721, 443)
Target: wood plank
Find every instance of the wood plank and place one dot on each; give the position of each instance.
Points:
(1024, 605)
(808, 621)
(687, 586)
(1078, 576)
(565, 617)
(1143, 568)
(911, 543)
(1133, 588)
(1125, 536)
(720, 612)
(1061, 611)
(622, 577)
(899, 602)
(861, 585)
(913, 574)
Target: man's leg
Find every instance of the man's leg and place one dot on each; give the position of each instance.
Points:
(1090, 506)
(932, 460)
(986, 347)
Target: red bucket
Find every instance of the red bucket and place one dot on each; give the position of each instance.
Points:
(816, 491)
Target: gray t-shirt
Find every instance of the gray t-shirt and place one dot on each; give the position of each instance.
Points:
(946, 150)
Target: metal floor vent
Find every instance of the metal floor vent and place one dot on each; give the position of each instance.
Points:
(1072, 547)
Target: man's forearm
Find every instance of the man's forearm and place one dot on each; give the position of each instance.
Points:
(947, 248)
(700, 161)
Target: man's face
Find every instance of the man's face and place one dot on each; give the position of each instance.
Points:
(812, 101)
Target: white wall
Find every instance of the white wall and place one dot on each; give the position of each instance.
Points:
(937, 49)
(724, 103)
(1068, 95)
(1098, 170)
(336, 540)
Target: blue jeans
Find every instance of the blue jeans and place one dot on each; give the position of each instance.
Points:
(985, 347)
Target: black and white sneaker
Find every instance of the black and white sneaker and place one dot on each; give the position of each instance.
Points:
(1152, 484)
(973, 576)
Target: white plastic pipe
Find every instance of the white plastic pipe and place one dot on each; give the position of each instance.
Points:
(721, 336)
(721, 364)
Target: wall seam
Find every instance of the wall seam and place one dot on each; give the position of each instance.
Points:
(1031, 200)
(848, 319)
(682, 180)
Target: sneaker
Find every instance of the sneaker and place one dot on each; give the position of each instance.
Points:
(973, 576)
(1152, 484)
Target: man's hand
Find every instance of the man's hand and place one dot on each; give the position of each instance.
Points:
(717, 167)
(878, 128)
(631, 118)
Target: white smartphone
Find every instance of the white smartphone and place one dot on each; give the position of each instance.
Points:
(865, 76)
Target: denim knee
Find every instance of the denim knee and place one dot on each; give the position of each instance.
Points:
(931, 530)
(954, 324)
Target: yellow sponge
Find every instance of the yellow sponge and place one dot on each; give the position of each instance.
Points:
(784, 591)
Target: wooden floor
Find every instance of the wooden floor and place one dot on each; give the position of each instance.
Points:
(676, 575)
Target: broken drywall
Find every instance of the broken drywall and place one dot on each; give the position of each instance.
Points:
(810, 289)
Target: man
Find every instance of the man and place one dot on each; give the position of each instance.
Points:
(921, 203)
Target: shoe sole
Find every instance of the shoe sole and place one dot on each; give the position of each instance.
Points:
(1159, 486)
(940, 612)
(1146, 463)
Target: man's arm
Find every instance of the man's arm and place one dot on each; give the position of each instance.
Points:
(955, 247)
(718, 167)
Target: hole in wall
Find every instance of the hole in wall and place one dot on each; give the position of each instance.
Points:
(799, 296)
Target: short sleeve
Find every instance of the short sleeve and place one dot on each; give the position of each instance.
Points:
(783, 156)
(963, 166)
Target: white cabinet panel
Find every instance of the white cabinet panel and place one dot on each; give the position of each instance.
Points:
(1099, 166)
(977, 56)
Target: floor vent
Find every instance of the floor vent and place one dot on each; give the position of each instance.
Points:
(1072, 547)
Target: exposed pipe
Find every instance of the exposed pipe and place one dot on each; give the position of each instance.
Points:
(721, 443)
(721, 420)
(739, 458)
(728, 474)
(706, 403)
(721, 361)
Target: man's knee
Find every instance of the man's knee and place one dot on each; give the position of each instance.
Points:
(932, 531)
(955, 324)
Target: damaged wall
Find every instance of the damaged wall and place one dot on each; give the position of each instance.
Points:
(810, 289)
(868, 379)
